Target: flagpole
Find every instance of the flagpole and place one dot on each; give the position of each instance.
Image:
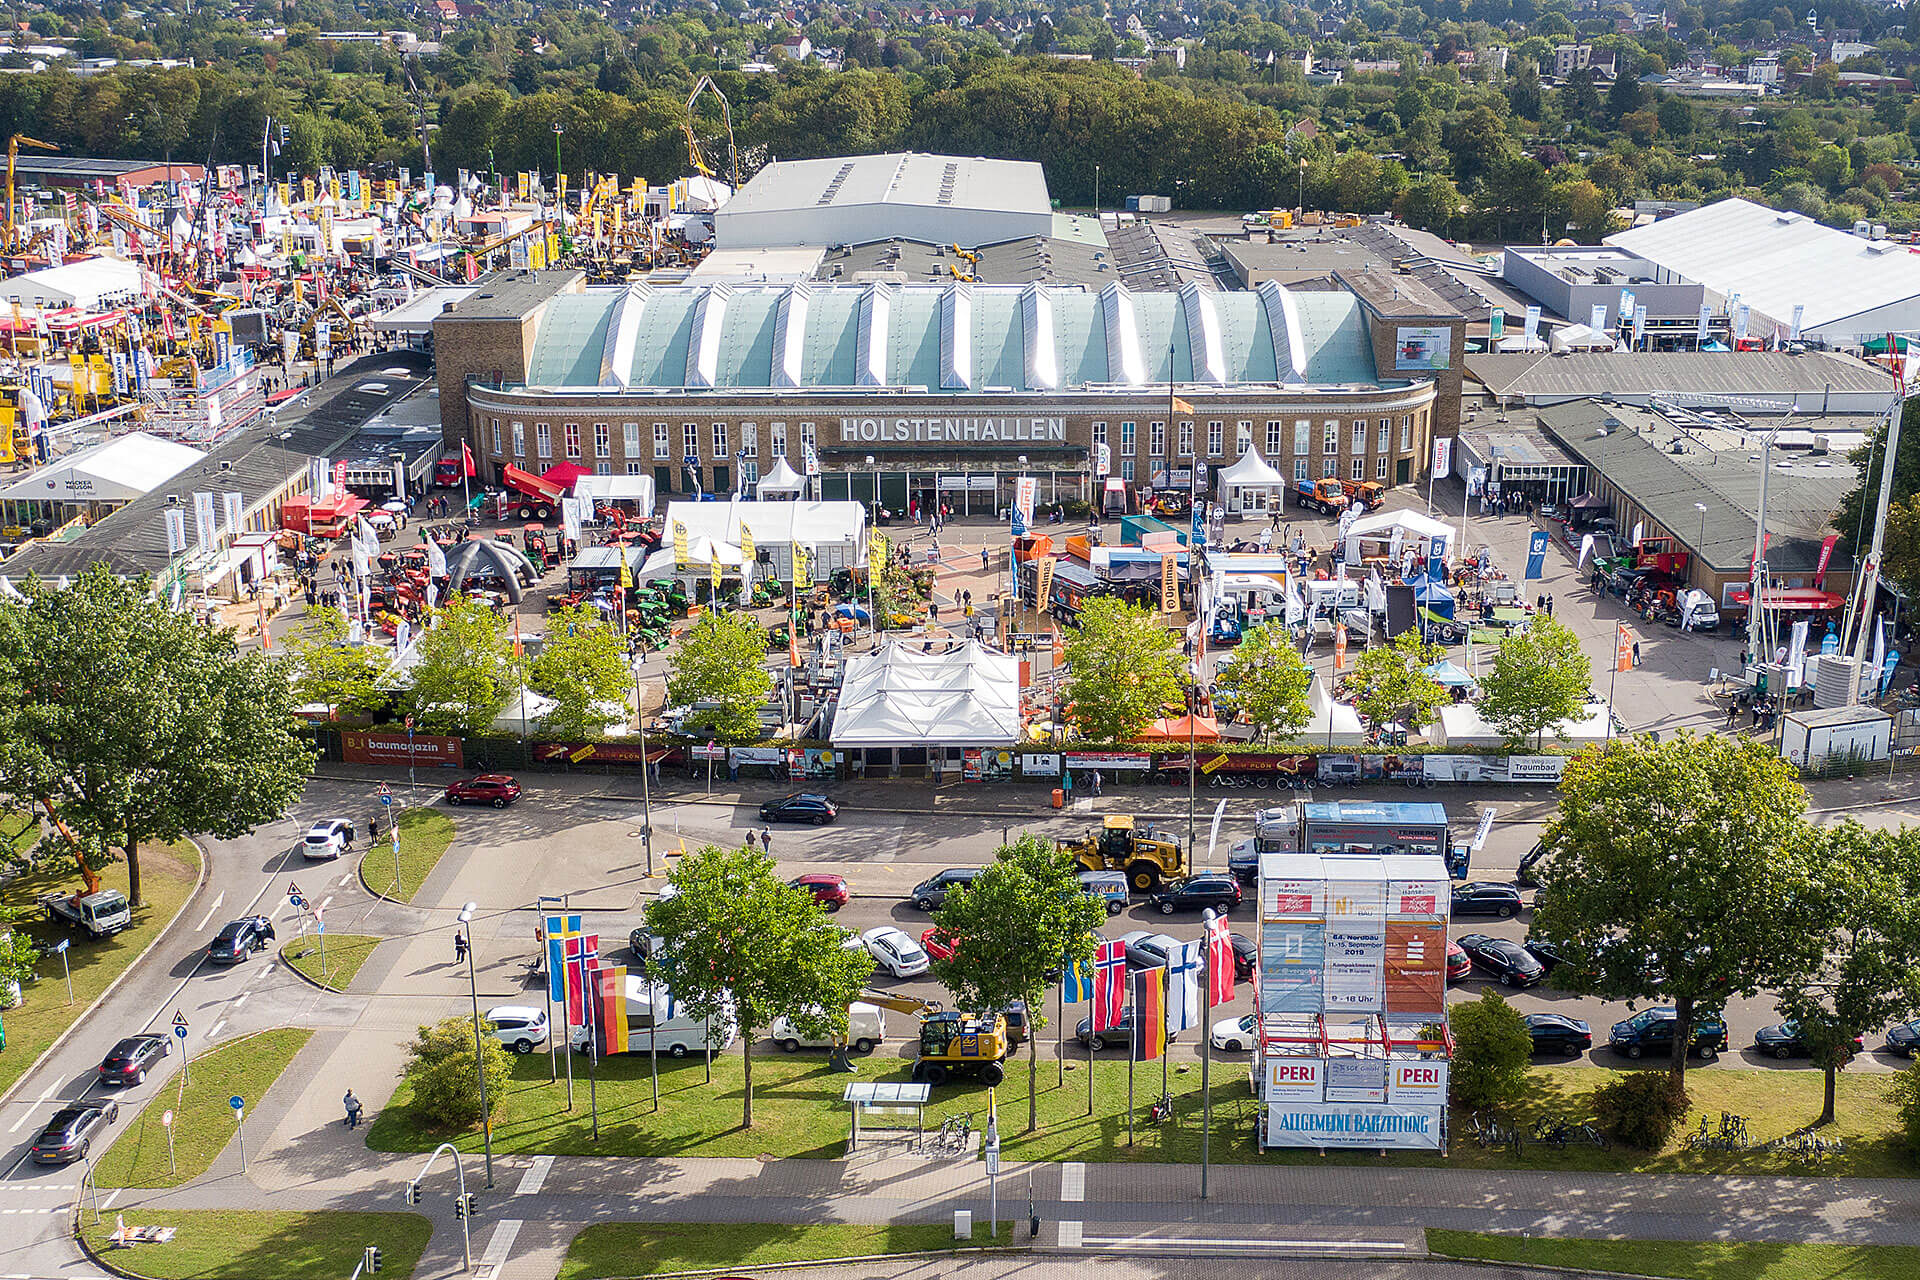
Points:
(1165, 1065)
(593, 1046)
(566, 1023)
(1206, 1047)
(1133, 1054)
(1060, 1036)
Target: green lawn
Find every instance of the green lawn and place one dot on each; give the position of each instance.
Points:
(612, 1249)
(167, 876)
(345, 953)
(424, 836)
(202, 1120)
(231, 1244)
(1689, 1260)
(797, 1112)
(19, 830)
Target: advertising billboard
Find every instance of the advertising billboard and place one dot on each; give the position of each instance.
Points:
(1416, 968)
(1295, 1079)
(1292, 965)
(1353, 1124)
(1422, 347)
(359, 747)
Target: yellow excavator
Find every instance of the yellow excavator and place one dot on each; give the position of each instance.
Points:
(14, 144)
(951, 1044)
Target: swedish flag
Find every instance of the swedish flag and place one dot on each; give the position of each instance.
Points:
(1076, 982)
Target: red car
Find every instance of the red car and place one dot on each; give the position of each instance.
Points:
(1459, 963)
(937, 944)
(829, 890)
(496, 789)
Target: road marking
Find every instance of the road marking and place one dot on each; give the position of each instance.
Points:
(346, 880)
(108, 1202)
(240, 999)
(326, 902)
(1073, 1182)
(1070, 1234)
(217, 900)
(275, 915)
(535, 1176)
(1189, 1242)
(501, 1243)
(26, 1113)
(214, 1030)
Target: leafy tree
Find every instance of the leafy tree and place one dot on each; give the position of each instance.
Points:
(139, 723)
(1680, 871)
(1432, 204)
(466, 670)
(1393, 683)
(722, 660)
(1900, 556)
(1869, 974)
(328, 669)
(1124, 670)
(19, 957)
(1539, 679)
(735, 930)
(1018, 922)
(446, 1089)
(1267, 679)
(1491, 1050)
(583, 668)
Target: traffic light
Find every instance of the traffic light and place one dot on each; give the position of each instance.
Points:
(465, 1206)
(373, 1260)
(413, 1193)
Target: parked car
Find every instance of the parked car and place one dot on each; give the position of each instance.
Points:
(1148, 950)
(1110, 887)
(327, 840)
(1904, 1039)
(1530, 861)
(1649, 1033)
(1198, 893)
(239, 939)
(496, 789)
(1557, 1033)
(866, 1030)
(1245, 956)
(895, 952)
(644, 945)
(1505, 959)
(1116, 1035)
(937, 944)
(930, 894)
(69, 1135)
(1549, 953)
(829, 890)
(801, 806)
(520, 1027)
(129, 1061)
(1783, 1040)
(1485, 898)
(1459, 963)
(1234, 1035)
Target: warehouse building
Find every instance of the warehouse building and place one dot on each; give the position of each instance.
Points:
(1754, 382)
(858, 199)
(924, 392)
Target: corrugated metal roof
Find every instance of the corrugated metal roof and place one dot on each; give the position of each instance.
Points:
(1776, 261)
(1538, 377)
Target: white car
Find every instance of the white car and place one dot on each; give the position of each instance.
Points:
(866, 1030)
(895, 951)
(520, 1027)
(327, 840)
(1234, 1035)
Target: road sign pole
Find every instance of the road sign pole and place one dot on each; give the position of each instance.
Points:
(186, 1054)
(66, 969)
(166, 1122)
(239, 1106)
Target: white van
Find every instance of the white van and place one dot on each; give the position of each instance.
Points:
(676, 1034)
(866, 1031)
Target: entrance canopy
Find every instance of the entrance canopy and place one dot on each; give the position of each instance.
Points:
(635, 489)
(781, 481)
(901, 697)
(119, 470)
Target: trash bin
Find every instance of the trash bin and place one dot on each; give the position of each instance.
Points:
(1059, 798)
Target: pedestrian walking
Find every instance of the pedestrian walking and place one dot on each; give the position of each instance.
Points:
(1066, 784)
(459, 947)
(352, 1104)
(1636, 656)
(750, 838)
(766, 839)
(983, 560)
(1096, 782)
(1636, 645)
(933, 608)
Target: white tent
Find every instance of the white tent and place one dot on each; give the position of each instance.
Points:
(1250, 484)
(119, 470)
(1580, 337)
(1521, 342)
(635, 489)
(782, 480)
(1380, 526)
(835, 531)
(1460, 725)
(1333, 723)
(92, 284)
(702, 553)
(899, 696)
(525, 712)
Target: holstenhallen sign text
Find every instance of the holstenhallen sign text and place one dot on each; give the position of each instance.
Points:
(951, 430)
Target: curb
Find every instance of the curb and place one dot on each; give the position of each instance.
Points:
(969, 1251)
(360, 870)
(299, 973)
(1555, 1268)
(86, 1013)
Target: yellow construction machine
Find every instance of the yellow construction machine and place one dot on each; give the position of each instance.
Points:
(1146, 855)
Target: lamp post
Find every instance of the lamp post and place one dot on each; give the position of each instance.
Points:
(1300, 199)
(1015, 526)
(646, 766)
(479, 1069)
(873, 495)
(558, 130)
(1700, 545)
(1096, 191)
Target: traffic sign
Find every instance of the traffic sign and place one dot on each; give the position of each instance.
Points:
(179, 1018)
(166, 1119)
(180, 1029)
(321, 925)
(237, 1102)
(293, 890)
(297, 902)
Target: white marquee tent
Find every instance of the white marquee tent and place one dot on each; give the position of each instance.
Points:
(899, 696)
(1580, 337)
(1461, 725)
(836, 531)
(781, 481)
(118, 470)
(1413, 528)
(1250, 484)
(1334, 723)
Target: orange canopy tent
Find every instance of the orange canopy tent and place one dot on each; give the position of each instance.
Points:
(1181, 729)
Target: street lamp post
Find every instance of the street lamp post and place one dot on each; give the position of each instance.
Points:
(479, 1067)
(1300, 199)
(646, 767)
(558, 130)
(1700, 546)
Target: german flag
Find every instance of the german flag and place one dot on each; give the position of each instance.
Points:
(1150, 1014)
(610, 1008)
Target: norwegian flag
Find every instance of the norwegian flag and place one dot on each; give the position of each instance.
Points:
(582, 954)
(1219, 962)
(1109, 984)
(72, 203)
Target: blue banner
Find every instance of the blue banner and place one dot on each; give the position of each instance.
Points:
(1536, 553)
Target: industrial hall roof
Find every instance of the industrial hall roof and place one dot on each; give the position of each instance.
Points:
(1798, 379)
(1662, 469)
(956, 338)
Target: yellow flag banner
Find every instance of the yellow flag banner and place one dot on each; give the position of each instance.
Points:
(716, 573)
(1169, 584)
(802, 567)
(747, 549)
(876, 555)
(679, 546)
(1181, 406)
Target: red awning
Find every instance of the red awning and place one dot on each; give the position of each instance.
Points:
(564, 474)
(1794, 598)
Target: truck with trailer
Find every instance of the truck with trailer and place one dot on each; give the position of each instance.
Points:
(531, 497)
(100, 914)
(1325, 496)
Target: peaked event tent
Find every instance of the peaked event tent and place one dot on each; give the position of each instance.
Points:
(1250, 472)
(1379, 527)
(782, 481)
(1181, 728)
(899, 696)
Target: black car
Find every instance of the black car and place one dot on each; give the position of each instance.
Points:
(1904, 1039)
(1198, 893)
(801, 806)
(931, 893)
(1115, 1036)
(1557, 1033)
(1783, 1040)
(1245, 956)
(240, 939)
(69, 1135)
(129, 1061)
(1505, 959)
(1484, 898)
(1549, 953)
(1649, 1033)
(1148, 950)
